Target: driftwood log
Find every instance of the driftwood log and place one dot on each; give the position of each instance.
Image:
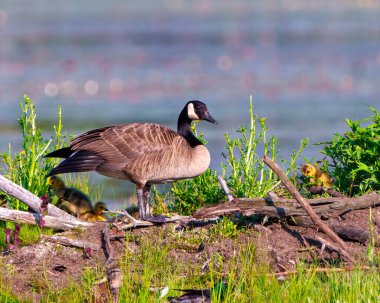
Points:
(283, 208)
(29, 199)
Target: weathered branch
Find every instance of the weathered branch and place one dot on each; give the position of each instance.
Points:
(293, 191)
(18, 216)
(29, 199)
(71, 242)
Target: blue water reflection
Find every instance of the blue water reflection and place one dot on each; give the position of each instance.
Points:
(307, 65)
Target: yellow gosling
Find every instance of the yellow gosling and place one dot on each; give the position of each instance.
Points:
(96, 214)
(317, 176)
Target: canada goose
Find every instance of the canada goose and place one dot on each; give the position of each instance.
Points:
(71, 200)
(143, 153)
(317, 176)
(96, 214)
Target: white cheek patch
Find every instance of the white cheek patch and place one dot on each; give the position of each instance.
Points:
(191, 113)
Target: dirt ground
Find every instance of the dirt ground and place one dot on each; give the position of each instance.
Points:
(284, 244)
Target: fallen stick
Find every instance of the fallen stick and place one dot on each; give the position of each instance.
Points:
(142, 223)
(25, 196)
(321, 270)
(24, 217)
(334, 247)
(314, 217)
(223, 183)
(71, 242)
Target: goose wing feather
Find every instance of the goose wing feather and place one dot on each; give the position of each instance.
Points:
(121, 145)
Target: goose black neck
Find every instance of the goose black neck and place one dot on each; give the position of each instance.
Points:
(184, 129)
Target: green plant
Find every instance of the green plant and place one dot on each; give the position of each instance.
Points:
(28, 168)
(191, 194)
(356, 156)
(244, 171)
(225, 227)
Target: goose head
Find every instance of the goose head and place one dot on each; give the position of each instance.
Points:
(197, 110)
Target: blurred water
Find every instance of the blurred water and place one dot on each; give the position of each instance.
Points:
(307, 65)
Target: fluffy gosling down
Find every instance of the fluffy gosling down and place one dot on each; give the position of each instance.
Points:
(96, 214)
(75, 202)
(317, 176)
(70, 199)
(143, 153)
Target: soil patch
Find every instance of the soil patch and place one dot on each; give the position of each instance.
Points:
(32, 269)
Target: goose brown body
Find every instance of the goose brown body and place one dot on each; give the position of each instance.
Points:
(143, 153)
(121, 151)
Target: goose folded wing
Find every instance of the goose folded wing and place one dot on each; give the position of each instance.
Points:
(118, 145)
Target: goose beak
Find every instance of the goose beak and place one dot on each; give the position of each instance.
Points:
(209, 118)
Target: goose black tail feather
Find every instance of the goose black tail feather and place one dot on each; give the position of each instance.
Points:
(81, 161)
(64, 152)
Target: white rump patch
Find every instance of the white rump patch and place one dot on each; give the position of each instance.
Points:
(191, 113)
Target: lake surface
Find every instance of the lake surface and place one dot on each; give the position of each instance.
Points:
(308, 66)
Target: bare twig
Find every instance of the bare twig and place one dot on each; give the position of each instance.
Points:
(334, 247)
(223, 183)
(314, 217)
(327, 270)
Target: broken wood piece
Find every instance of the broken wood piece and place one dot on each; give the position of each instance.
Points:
(114, 274)
(225, 188)
(65, 241)
(24, 217)
(316, 219)
(336, 248)
(25, 196)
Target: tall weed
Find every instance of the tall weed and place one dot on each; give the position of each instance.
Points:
(244, 171)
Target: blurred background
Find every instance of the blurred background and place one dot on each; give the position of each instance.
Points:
(307, 64)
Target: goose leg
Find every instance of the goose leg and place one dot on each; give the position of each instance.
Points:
(146, 196)
(140, 201)
(148, 215)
